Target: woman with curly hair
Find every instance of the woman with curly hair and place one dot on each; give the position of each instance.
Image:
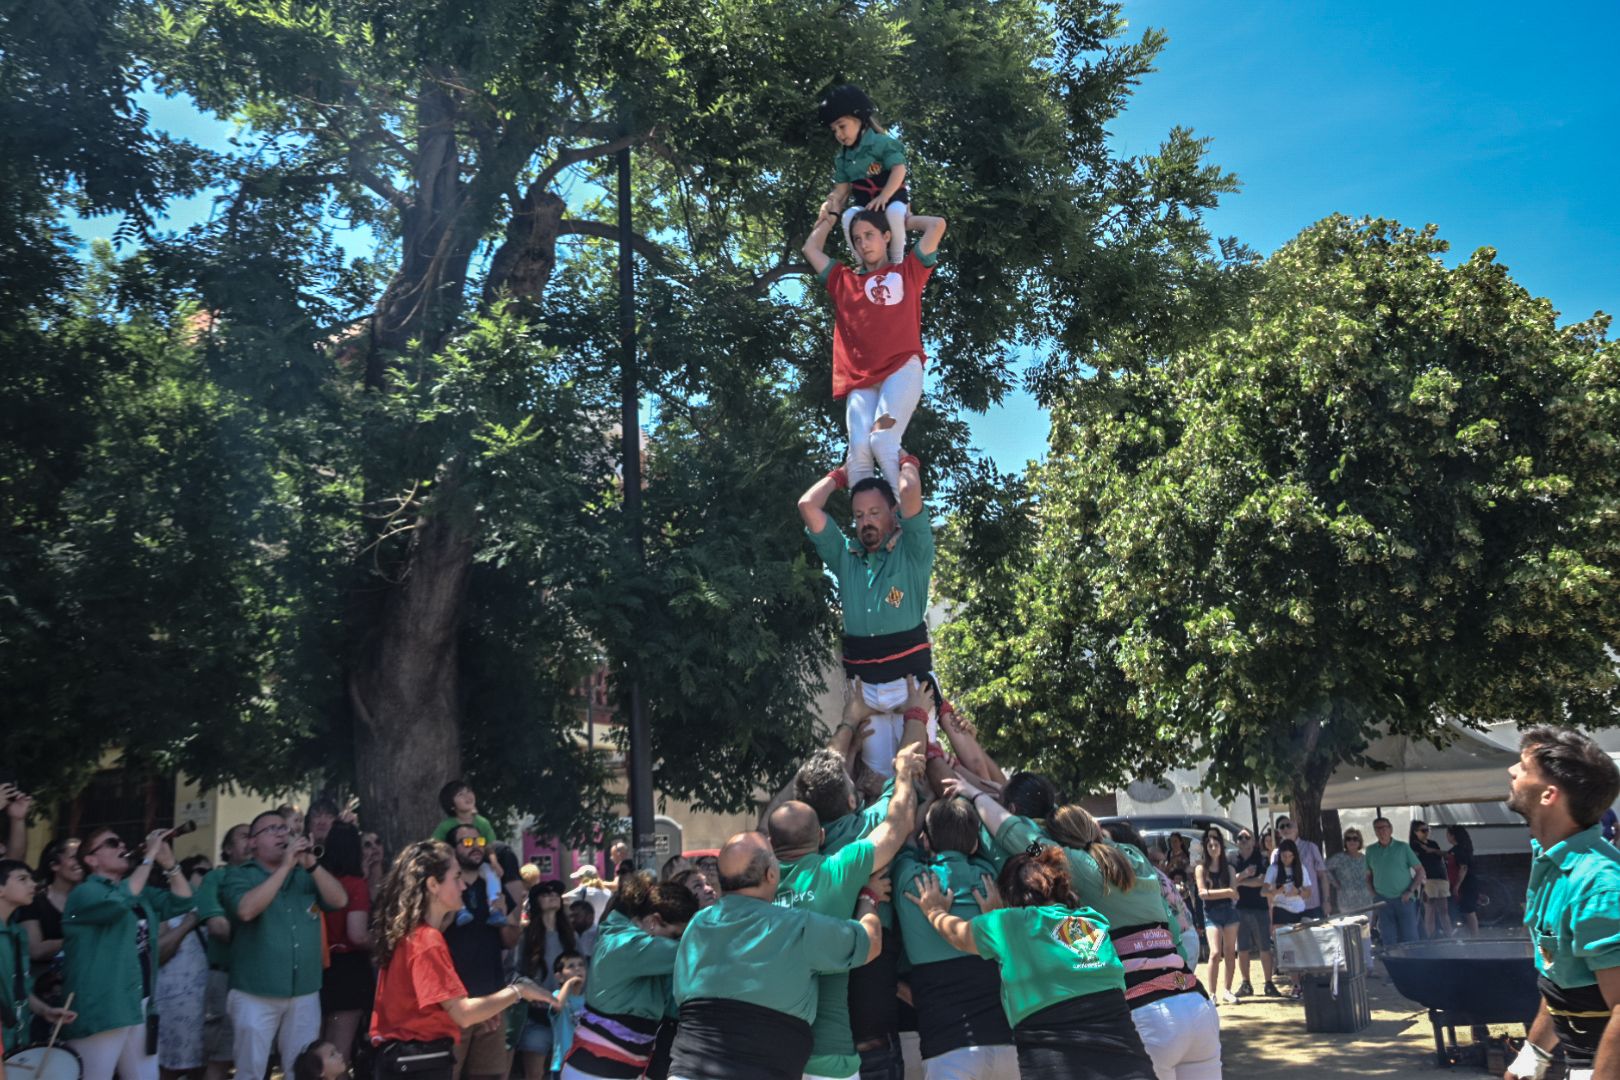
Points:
(1062, 983)
(421, 1004)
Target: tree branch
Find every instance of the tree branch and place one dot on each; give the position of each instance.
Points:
(770, 277)
(575, 155)
(644, 247)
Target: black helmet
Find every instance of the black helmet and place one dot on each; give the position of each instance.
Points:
(844, 100)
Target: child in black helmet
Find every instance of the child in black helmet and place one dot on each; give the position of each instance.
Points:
(870, 164)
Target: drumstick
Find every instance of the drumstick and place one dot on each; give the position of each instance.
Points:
(66, 1005)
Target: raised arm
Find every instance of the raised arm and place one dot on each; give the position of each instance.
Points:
(910, 494)
(813, 503)
(17, 804)
(992, 813)
(891, 833)
(933, 231)
(815, 245)
(836, 199)
(966, 745)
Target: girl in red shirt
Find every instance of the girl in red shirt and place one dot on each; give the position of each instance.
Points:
(421, 1004)
(877, 336)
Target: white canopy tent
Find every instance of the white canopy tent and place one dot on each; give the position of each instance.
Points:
(1471, 769)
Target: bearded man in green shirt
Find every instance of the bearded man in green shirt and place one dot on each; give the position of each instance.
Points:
(1562, 784)
(745, 972)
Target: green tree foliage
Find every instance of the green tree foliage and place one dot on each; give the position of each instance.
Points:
(1386, 497)
(421, 443)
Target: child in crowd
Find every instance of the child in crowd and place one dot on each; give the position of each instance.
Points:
(320, 1060)
(570, 969)
(460, 805)
(870, 164)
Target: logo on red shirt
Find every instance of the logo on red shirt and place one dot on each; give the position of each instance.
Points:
(885, 290)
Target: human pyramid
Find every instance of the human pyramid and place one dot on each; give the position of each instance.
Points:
(1032, 945)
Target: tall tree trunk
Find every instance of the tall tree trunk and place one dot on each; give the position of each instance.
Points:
(405, 691)
(1305, 798)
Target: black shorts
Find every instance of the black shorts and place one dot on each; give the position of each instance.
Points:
(348, 984)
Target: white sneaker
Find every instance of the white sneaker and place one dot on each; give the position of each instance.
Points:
(1228, 998)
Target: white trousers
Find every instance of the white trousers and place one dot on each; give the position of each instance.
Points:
(121, 1050)
(896, 213)
(1182, 1034)
(288, 1024)
(889, 725)
(871, 450)
(973, 1063)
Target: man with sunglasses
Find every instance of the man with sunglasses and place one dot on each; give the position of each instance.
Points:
(274, 902)
(110, 927)
(476, 936)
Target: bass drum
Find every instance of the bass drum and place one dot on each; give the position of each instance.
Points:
(44, 1063)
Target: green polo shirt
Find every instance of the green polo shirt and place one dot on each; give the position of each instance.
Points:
(630, 970)
(449, 825)
(745, 949)
(1140, 905)
(881, 592)
(209, 907)
(1572, 908)
(1047, 955)
(873, 148)
(99, 929)
(957, 873)
(858, 826)
(13, 958)
(1391, 867)
(278, 954)
(829, 885)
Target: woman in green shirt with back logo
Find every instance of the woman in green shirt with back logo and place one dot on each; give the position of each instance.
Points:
(1062, 983)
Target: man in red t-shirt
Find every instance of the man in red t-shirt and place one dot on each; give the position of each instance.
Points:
(877, 336)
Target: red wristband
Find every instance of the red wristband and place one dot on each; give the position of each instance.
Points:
(946, 707)
(934, 752)
(913, 458)
(916, 714)
(840, 476)
(870, 895)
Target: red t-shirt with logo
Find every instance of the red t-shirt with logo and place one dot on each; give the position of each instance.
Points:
(412, 989)
(877, 320)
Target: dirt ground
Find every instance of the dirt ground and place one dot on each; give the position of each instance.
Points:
(1265, 1038)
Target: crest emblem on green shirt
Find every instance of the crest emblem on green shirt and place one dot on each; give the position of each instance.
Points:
(895, 597)
(1081, 936)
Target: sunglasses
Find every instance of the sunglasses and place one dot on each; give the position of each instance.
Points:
(270, 829)
(473, 841)
(1424, 829)
(110, 842)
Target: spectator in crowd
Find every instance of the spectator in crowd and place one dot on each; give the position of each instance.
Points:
(1290, 885)
(460, 805)
(571, 972)
(1310, 857)
(17, 1001)
(1268, 844)
(1254, 913)
(320, 1061)
(476, 937)
(1348, 881)
(1217, 886)
(628, 994)
(590, 889)
(1062, 983)
(961, 1027)
(582, 917)
(273, 902)
(219, 1038)
(674, 865)
(745, 972)
(1464, 881)
(549, 934)
(1178, 864)
(373, 861)
(182, 983)
(17, 803)
(710, 865)
(696, 882)
(347, 983)
(293, 817)
(1397, 877)
(111, 926)
(621, 860)
(323, 814)
(422, 1005)
(59, 872)
(1436, 888)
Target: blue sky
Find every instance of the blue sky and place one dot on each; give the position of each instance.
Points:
(1494, 121)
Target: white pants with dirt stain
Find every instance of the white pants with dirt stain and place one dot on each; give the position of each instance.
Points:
(874, 449)
(896, 213)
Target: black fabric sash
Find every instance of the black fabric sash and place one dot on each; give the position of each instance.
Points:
(1579, 1035)
(1101, 1020)
(721, 1039)
(959, 1004)
(885, 658)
